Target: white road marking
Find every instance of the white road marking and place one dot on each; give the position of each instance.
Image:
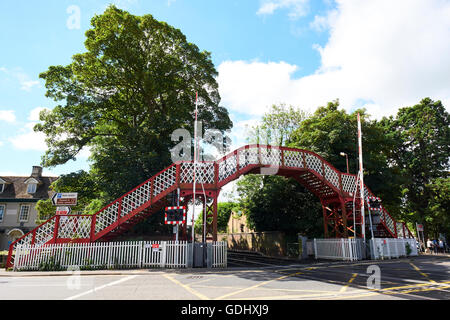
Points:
(101, 287)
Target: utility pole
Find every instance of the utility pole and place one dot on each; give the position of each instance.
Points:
(195, 166)
(361, 179)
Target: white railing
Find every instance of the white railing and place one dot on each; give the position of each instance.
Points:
(339, 249)
(387, 248)
(112, 255)
(219, 254)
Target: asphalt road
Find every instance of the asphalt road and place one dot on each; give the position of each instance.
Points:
(418, 278)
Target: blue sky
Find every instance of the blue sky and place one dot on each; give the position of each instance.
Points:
(381, 55)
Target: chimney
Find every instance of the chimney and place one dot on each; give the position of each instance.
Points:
(36, 172)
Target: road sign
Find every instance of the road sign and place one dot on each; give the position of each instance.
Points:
(420, 227)
(60, 211)
(155, 247)
(65, 199)
(175, 215)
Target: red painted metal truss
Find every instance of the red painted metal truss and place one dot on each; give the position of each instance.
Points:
(334, 189)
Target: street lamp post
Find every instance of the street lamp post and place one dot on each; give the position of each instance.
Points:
(346, 158)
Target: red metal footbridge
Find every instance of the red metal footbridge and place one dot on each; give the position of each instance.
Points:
(335, 190)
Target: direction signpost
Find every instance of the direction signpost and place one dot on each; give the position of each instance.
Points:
(65, 199)
(63, 211)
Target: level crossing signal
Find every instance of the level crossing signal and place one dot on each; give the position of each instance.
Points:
(175, 215)
(374, 203)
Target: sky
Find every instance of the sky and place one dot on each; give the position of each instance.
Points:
(380, 55)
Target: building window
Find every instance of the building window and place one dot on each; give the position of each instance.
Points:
(2, 212)
(31, 188)
(24, 213)
(2, 187)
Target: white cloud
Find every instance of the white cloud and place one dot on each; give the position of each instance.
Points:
(297, 8)
(250, 87)
(29, 140)
(84, 153)
(1, 143)
(381, 55)
(34, 114)
(7, 115)
(26, 83)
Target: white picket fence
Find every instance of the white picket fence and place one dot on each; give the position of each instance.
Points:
(339, 249)
(219, 254)
(114, 255)
(387, 248)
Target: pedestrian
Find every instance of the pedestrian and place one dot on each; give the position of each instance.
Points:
(430, 246)
(435, 246)
(441, 246)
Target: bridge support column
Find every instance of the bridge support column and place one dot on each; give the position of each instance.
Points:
(344, 217)
(334, 219)
(211, 219)
(325, 221)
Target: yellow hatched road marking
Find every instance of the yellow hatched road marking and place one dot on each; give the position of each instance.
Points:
(256, 286)
(422, 273)
(344, 288)
(194, 292)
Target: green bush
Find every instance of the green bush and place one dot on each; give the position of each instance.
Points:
(408, 249)
(50, 265)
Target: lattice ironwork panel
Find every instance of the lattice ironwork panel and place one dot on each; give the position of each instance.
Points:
(164, 180)
(331, 176)
(227, 168)
(366, 193)
(400, 233)
(204, 172)
(187, 172)
(45, 232)
(313, 163)
(293, 159)
(389, 222)
(26, 240)
(73, 227)
(106, 217)
(348, 183)
(136, 198)
(248, 156)
(270, 156)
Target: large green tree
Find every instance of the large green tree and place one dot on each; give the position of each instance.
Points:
(330, 131)
(420, 149)
(124, 96)
(277, 125)
(438, 211)
(273, 203)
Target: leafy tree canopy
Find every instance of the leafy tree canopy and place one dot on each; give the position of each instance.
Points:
(124, 97)
(224, 210)
(420, 149)
(330, 131)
